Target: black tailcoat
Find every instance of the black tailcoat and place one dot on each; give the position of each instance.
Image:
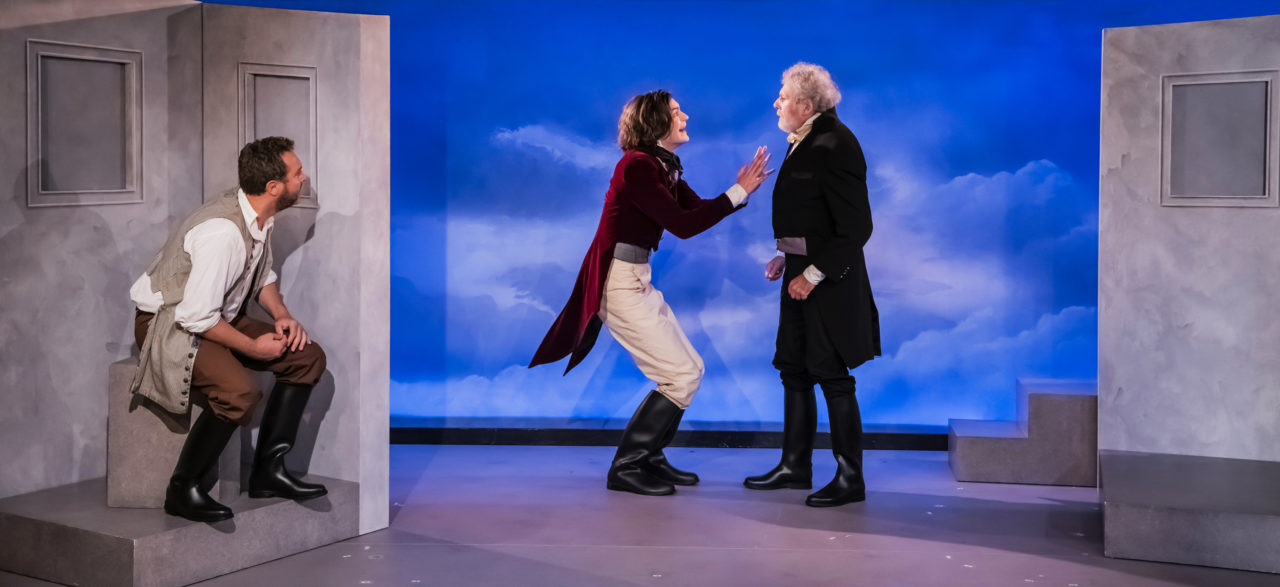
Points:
(821, 195)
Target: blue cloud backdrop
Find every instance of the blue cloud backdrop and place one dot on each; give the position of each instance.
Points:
(979, 120)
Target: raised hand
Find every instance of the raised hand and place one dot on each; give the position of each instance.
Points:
(752, 174)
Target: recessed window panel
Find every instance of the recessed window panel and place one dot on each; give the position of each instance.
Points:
(84, 125)
(280, 100)
(1218, 139)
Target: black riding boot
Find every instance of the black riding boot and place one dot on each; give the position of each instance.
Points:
(799, 422)
(848, 485)
(185, 497)
(640, 441)
(657, 464)
(276, 437)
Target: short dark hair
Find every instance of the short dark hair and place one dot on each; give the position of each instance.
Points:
(645, 120)
(262, 161)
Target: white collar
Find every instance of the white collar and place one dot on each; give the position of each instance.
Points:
(803, 131)
(251, 218)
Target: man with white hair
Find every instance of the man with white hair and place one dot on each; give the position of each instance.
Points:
(828, 323)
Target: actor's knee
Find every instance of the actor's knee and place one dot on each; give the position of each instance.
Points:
(796, 380)
(307, 365)
(691, 379)
(681, 388)
(838, 386)
(236, 405)
(319, 360)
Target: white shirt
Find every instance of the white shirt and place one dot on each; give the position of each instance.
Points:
(217, 259)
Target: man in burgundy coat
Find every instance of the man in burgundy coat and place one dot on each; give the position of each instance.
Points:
(647, 195)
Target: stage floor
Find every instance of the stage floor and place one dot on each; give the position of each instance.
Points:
(540, 515)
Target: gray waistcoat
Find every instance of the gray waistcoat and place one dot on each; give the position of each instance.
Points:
(169, 352)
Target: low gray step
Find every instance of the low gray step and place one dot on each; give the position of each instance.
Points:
(1192, 510)
(68, 535)
(986, 429)
(1053, 442)
(1057, 408)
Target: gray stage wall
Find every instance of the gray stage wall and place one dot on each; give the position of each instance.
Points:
(1188, 381)
(1188, 320)
(67, 259)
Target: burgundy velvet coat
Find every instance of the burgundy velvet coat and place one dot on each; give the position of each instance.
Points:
(642, 202)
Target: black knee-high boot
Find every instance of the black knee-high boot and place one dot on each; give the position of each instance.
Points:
(276, 438)
(185, 497)
(799, 422)
(848, 485)
(640, 441)
(657, 464)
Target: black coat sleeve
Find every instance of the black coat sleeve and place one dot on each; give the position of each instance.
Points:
(843, 180)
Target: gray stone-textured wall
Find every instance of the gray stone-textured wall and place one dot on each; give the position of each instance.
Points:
(1188, 333)
(65, 271)
(374, 278)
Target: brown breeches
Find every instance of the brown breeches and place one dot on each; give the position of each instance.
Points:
(224, 376)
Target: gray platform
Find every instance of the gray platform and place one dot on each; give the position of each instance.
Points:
(1194, 510)
(1053, 442)
(68, 535)
(143, 442)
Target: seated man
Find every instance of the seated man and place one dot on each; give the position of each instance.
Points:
(194, 335)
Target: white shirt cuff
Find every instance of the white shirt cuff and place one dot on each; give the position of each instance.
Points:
(200, 326)
(814, 276)
(736, 194)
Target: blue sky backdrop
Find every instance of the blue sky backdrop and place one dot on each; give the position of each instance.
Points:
(978, 119)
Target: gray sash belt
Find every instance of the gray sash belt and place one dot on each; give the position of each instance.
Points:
(630, 253)
(794, 245)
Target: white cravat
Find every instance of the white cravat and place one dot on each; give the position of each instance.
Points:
(794, 137)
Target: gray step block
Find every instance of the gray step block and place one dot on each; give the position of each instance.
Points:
(1192, 510)
(69, 535)
(143, 442)
(1053, 442)
(984, 429)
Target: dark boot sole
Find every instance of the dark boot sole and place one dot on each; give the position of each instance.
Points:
(269, 494)
(636, 490)
(835, 503)
(217, 517)
(783, 485)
